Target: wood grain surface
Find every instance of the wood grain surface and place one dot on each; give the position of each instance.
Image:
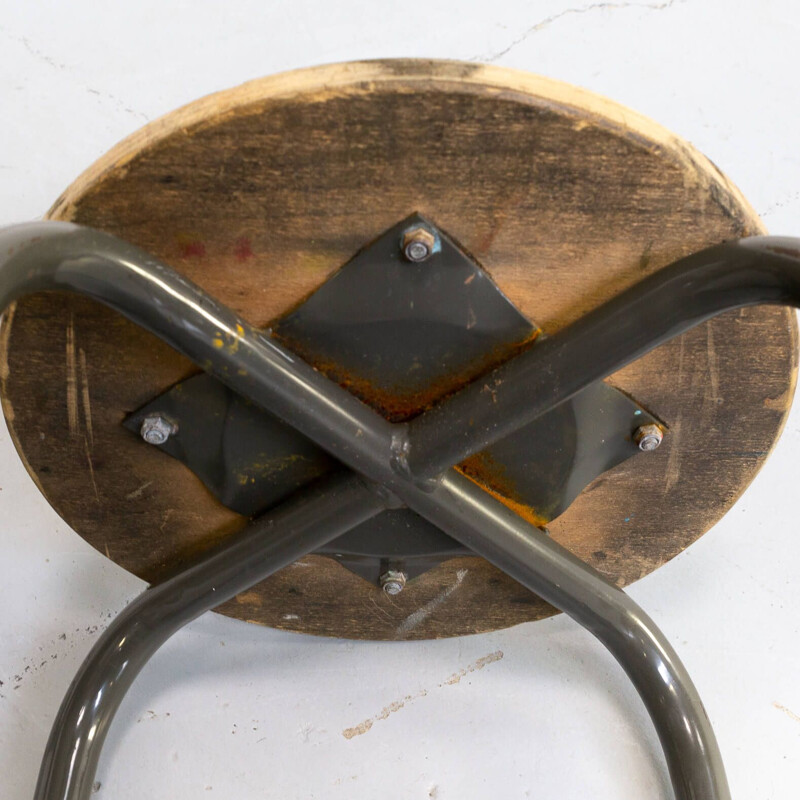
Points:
(259, 193)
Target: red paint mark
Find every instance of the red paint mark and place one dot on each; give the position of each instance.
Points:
(196, 249)
(243, 249)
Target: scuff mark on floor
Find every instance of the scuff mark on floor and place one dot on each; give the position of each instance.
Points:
(789, 713)
(479, 664)
(365, 725)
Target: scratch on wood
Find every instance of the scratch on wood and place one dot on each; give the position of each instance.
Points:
(789, 713)
(91, 468)
(673, 471)
(381, 610)
(137, 493)
(421, 614)
(713, 364)
(87, 405)
(165, 519)
(72, 379)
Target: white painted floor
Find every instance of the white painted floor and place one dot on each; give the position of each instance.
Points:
(229, 710)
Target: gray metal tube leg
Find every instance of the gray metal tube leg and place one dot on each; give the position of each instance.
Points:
(302, 524)
(548, 569)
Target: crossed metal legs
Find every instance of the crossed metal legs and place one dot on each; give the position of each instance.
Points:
(409, 464)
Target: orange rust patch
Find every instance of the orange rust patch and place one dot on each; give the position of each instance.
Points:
(397, 403)
(484, 471)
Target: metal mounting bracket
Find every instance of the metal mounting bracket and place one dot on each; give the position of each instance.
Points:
(401, 335)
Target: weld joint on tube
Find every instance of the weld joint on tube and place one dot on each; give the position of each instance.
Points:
(399, 459)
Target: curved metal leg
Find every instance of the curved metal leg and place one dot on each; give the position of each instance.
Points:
(546, 568)
(297, 527)
(78, 733)
(414, 463)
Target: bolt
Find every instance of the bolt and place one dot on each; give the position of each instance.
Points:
(392, 581)
(648, 437)
(418, 244)
(157, 429)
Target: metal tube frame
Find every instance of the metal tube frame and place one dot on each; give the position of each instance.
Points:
(409, 464)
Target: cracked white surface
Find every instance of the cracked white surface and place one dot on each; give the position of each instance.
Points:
(231, 710)
(547, 21)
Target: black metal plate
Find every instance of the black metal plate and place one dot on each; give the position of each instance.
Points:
(400, 335)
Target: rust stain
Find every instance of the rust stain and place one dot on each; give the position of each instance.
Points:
(397, 403)
(483, 470)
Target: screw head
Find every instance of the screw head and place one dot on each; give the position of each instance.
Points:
(648, 437)
(393, 582)
(418, 244)
(157, 429)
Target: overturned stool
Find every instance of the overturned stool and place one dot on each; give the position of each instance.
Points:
(394, 293)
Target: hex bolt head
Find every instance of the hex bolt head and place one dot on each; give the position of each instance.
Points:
(393, 582)
(418, 244)
(648, 437)
(157, 429)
